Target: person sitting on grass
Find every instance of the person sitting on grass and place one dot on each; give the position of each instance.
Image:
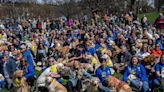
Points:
(53, 69)
(74, 82)
(29, 73)
(102, 73)
(135, 75)
(159, 71)
(123, 59)
(8, 67)
(27, 54)
(50, 71)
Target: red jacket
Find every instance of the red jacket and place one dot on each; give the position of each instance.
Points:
(156, 53)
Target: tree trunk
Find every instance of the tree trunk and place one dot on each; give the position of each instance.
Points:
(132, 6)
(158, 6)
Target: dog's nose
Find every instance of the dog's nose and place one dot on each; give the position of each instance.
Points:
(19, 78)
(94, 84)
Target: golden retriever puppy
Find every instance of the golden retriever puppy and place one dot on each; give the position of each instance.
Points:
(20, 85)
(118, 85)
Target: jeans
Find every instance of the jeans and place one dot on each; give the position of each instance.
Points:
(85, 73)
(156, 83)
(136, 84)
(9, 83)
(102, 87)
(78, 86)
(2, 85)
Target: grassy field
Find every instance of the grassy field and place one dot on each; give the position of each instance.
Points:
(151, 16)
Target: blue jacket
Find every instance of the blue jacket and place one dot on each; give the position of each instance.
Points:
(139, 71)
(90, 51)
(103, 73)
(97, 45)
(158, 68)
(28, 56)
(29, 72)
(161, 45)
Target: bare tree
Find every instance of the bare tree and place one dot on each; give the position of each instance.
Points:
(132, 5)
(45, 1)
(105, 6)
(68, 7)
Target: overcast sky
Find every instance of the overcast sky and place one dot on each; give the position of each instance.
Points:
(39, 1)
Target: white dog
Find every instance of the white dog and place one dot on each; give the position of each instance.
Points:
(41, 81)
(55, 86)
(45, 80)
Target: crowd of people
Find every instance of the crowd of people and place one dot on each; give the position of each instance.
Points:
(78, 49)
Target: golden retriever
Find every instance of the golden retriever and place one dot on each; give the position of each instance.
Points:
(55, 86)
(93, 85)
(20, 85)
(118, 84)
